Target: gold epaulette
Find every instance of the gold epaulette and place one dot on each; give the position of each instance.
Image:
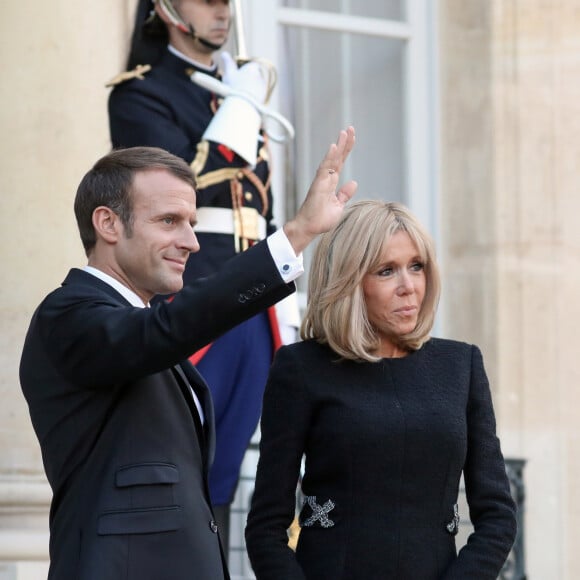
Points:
(136, 73)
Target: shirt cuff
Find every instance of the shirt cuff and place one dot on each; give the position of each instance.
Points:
(288, 263)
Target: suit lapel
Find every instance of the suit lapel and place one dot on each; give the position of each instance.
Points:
(184, 370)
(192, 377)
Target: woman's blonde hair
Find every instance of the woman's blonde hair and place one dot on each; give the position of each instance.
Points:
(336, 313)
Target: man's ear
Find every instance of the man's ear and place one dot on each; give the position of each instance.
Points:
(107, 224)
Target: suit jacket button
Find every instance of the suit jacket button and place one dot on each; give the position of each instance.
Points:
(213, 526)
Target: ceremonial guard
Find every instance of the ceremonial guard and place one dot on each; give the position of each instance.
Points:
(156, 103)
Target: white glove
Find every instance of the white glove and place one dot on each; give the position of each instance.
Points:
(249, 78)
(237, 122)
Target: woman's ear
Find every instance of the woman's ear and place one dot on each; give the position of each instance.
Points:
(107, 224)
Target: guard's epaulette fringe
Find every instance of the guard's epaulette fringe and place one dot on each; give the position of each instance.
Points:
(136, 73)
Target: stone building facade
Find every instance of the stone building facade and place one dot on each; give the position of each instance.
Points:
(509, 107)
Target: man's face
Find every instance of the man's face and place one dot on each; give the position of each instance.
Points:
(151, 258)
(209, 18)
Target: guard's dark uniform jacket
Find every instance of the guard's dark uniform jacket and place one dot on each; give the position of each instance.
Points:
(160, 106)
(164, 108)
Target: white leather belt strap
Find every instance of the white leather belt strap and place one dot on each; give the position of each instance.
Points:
(220, 220)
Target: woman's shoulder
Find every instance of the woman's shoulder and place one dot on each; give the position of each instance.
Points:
(447, 357)
(446, 346)
(307, 348)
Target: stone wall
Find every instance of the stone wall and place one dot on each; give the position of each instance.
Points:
(56, 58)
(510, 165)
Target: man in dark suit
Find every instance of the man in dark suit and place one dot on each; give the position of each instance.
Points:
(124, 421)
(156, 104)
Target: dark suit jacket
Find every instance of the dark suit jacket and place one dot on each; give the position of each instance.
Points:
(119, 443)
(166, 109)
(385, 446)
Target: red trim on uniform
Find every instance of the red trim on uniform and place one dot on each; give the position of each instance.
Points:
(197, 356)
(276, 338)
(274, 328)
(226, 152)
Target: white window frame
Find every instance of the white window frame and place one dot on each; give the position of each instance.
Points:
(262, 21)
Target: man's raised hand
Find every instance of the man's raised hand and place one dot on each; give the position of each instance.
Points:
(324, 204)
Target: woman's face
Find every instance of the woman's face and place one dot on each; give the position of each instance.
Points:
(394, 291)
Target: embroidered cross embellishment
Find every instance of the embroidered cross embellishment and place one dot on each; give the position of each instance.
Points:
(319, 513)
(453, 525)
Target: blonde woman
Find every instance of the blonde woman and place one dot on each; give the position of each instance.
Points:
(387, 418)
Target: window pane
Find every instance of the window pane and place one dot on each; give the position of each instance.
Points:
(329, 80)
(386, 9)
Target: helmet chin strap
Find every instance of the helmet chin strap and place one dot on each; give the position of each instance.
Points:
(174, 17)
(203, 41)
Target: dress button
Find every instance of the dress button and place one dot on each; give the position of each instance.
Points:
(213, 526)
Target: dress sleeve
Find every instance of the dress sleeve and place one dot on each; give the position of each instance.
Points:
(286, 414)
(491, 507)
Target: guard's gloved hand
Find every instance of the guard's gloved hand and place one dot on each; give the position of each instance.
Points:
(237, 122)
(249, 78)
